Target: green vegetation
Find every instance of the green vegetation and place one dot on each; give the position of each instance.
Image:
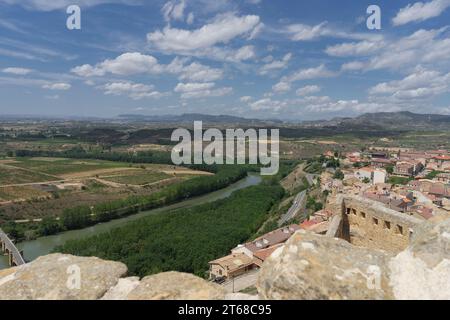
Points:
(313, 205)
(139, 178)
(338, 175)
(390, 169)
(9, 175)
(317, 164)
(185, 239)
(433, 174)
(79, 153)
(59, 166)
(399, 180)
(84, 216)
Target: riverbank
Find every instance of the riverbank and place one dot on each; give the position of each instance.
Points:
(44, 245)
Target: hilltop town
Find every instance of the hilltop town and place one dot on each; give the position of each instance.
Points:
(410, 183)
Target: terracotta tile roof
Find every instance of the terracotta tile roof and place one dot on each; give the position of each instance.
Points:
(265, 253)
(272, 238)
(233, 261)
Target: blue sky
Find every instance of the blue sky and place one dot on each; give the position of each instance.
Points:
(254, 58)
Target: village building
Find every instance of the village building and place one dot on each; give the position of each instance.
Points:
(372, 174)
(230, 266)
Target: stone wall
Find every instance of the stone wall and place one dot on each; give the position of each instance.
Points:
(367, 223)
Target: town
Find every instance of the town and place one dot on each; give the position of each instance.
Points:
(411, 182)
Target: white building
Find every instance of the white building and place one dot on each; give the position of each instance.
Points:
(373, 175)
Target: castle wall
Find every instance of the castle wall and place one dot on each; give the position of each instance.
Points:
(370, 224)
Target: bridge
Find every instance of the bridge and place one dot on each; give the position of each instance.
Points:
(8, 247)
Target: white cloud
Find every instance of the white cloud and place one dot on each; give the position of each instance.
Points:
(303, 32)
(276, 65)
(137, 63)
(221, 30)
(420, 11)
(246, 99)
(17, 71)
(194, 71)
(427, 47)
(308, 90)
(49, 5)
(136, 91)
(57, 86)
(362, 48)
(194, 86)
(281, 87)
(421, 84)
(268, 104)
(303, 74)
(195, 90)
(125, 64)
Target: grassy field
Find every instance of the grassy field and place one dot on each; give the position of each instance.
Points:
(14, 193)
(59, 167)
(10, 175)
(139, 177)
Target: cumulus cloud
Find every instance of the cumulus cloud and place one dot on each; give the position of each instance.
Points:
(246, 99)
(420, 11)
(362, 48)
(125, 64)
(137, 63)
(194, 71)
(308, 90)
(57, 86)
(303, 74)
(276, 64)
(204, 41)
(426, 47)
(17, 71)
(421, 84)
(136, 91)
(201, 90)
(268, 104)
(281, 87)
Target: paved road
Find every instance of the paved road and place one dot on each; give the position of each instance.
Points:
(294, 210)
(242, 282)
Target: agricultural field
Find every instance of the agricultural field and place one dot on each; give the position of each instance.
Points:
(13, 175)
(38, 187)
(138, 177)
(65, 167)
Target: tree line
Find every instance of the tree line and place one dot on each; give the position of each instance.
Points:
(184, 239)
(83, 216)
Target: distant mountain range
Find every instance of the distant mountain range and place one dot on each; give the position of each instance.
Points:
(388, 120)
(191, 117)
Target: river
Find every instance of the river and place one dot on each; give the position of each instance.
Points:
(44, 245)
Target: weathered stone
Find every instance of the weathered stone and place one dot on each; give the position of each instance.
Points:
(311, 266)
(423, 270)
(54, 277)
(176, 286)
(121, 290)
